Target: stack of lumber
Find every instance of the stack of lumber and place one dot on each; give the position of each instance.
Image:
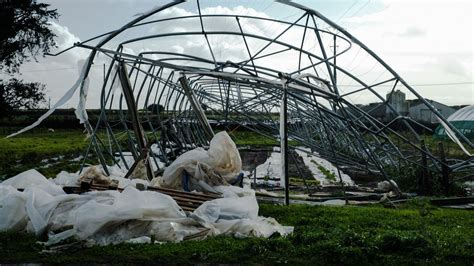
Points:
(188, 201)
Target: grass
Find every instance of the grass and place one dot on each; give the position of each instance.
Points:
(27, 150)
(252, 138)
(451, 149)
(245, 137)
(323, 235)
(330, 176)
(300, 181)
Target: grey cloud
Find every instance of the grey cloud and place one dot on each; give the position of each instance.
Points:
(412, 32)
(453, 65)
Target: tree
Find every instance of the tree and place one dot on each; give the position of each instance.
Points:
(16, 95)
(155, 108)
(24, 33)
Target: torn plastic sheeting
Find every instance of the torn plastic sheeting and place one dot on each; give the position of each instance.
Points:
(227, 209)
(225, 156)
(26, 179)
(12, 209)
(259, 227)
(59, 103)
(131, 204)
(218, 165)
(33, 178)
(80, 111)
(111, 217)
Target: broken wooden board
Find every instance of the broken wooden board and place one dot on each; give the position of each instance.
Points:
(188, 201)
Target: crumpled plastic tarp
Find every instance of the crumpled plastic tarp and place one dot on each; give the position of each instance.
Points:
(111, 217)
(220, 164)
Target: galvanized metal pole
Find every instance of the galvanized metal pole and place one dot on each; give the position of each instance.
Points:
(444, 169)
(284, 138)
(132, 109)
(196, 107)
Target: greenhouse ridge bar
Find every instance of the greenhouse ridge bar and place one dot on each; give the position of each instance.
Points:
(185, 78)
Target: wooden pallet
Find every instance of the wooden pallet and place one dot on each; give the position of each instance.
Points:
(188, 201)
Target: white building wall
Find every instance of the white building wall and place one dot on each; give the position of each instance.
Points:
(422, 113)
(397, 101)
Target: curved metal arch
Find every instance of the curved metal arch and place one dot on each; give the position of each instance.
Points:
(246, 92)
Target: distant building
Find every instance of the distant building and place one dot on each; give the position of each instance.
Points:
(376, 110)
(414, 109)
(397, 100)
(421, 113)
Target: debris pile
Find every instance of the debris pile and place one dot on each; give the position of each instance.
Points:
(106, 210)
(220, 165)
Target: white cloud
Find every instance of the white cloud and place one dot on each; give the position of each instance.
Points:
(65, 39)
(425, 42)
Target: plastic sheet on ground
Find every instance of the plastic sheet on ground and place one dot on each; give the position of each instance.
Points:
(272, 168)
(218, 165)
(111, 217)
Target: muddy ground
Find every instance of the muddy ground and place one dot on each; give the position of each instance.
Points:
(252, 157)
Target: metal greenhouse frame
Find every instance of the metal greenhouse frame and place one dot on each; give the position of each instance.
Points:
(203, 68)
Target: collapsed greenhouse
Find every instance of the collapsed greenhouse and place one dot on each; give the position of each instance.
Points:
(174, 76)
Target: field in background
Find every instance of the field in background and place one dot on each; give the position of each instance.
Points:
(48, 152)
(52, 152)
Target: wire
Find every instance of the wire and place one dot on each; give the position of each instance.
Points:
(347, 10)
(54, 69)
(366, 3)
(421, 85)
(46, 70)
(440, 84)
(265, 9)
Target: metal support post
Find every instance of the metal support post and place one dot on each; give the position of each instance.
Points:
(196, 106)
(132, 109)
(284, 138)
(444, 169)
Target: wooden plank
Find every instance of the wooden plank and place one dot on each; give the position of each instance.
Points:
(202, 233)
(188, 201)
(188, 209)
(204, 196)
(184, 199)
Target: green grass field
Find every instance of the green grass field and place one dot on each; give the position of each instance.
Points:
(29, 149)
(323, 235)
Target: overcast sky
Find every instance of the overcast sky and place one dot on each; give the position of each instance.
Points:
(426, 42)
